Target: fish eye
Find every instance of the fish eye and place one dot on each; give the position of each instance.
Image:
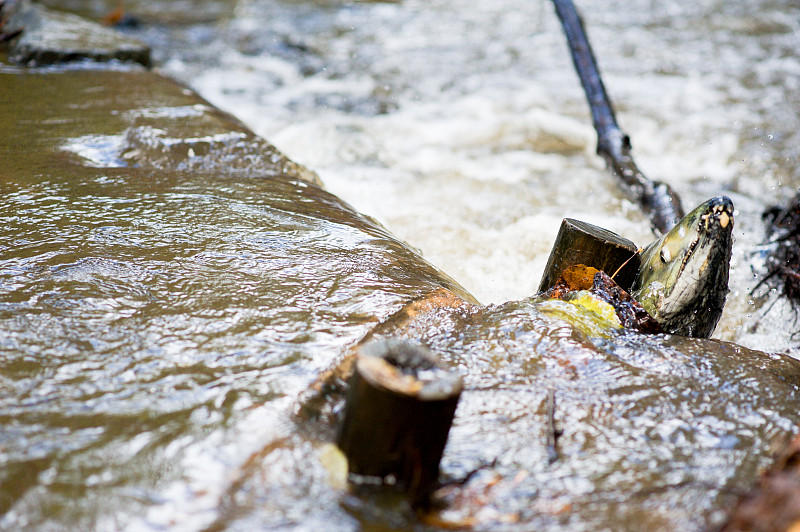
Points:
(666, 256)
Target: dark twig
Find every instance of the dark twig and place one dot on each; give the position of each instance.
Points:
(470, 474)
(552, 432)
(658, 200)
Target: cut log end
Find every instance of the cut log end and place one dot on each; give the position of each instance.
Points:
(407, 369)
(583, 243)
(398, 412)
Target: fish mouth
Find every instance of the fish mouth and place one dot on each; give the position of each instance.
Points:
(714, 226)
(690, 252)
(718, 216)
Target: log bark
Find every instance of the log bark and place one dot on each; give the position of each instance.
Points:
(397, 415)
(659, 202)
(583, 243)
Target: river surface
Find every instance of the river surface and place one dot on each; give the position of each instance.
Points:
(462, 126)
(158, 326)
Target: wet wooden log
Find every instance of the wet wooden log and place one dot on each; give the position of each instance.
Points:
(774, 505)
(583, 243)
(661, 204)
(398, 412)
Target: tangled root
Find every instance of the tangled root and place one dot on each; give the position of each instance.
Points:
(783, 261)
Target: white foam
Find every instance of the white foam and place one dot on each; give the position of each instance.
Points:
(485, 141)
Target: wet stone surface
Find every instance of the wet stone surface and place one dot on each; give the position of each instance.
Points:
(53, 37)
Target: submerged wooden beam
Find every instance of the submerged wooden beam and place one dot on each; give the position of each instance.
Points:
(661, 204)
(397, 416)
(583, 243)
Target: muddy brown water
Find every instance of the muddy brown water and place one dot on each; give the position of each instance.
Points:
(161, 313)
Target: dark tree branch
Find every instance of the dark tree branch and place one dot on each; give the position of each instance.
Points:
(661, 204)
(552, 432)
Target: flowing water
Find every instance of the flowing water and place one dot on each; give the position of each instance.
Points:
(157, 325)
(463, 128)
(145, 310)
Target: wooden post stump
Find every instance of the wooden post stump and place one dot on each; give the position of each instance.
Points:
(397, 415)
(583, 243)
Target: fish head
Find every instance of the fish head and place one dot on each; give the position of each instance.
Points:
(683, 278)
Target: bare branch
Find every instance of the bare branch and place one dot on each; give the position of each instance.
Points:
(661, 204)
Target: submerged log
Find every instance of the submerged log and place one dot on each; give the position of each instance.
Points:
(583, 243)
(656, 199)
(397, 416)
(774, 505)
